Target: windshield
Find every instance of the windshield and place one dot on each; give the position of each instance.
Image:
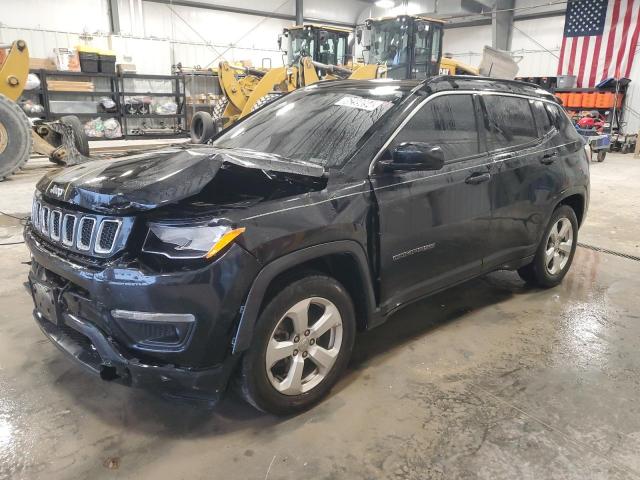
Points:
(301, 44)
(389, 40)
(331, 46)
(317, 126)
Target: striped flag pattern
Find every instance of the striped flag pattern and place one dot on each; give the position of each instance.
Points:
(600, 40)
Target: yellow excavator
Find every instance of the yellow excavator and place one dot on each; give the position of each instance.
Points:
(64, 141)
(314, 53)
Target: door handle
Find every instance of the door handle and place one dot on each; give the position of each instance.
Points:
(549, 158)
(476, 178)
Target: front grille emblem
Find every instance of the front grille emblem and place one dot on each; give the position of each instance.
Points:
(56, 191)
(86, 234)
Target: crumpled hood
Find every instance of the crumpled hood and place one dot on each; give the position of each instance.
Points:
(152, 179)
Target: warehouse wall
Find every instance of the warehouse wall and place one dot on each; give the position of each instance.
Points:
(155, 36)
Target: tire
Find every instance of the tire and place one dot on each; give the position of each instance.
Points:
(15, 137)
(601, 155)
(219, 108)
(273, 389)
(202, 128)
(542, 272)
(268, 98)
(79, 136)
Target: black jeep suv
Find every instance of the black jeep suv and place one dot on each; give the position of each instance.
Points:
(258, 257)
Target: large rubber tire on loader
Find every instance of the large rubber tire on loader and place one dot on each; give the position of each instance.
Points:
(266, 99)
(203, 128)
(219, 108)
(15, 137)
(80, 137)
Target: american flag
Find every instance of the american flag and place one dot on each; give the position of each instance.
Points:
(600, 40)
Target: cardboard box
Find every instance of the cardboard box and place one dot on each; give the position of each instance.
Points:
(126, 68)
(67, 60)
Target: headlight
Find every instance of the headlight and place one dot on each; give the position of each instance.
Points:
(188, 241)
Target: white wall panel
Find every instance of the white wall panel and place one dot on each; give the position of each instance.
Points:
(531, 39)
(466, 43)
(632, 115)
(68, 15)
(346, 11)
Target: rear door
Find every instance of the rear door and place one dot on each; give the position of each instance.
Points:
(527, 176)
(434, 225)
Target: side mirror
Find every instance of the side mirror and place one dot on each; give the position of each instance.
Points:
(413, 157)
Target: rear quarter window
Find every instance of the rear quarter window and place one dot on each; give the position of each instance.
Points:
(543, 120)
(560, 121)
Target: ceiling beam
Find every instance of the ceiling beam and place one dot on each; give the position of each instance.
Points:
(474, 22)
(248, 11)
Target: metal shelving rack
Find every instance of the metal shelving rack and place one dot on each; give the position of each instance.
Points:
(615, 114)
(178, 94)
(45, 95)
(117, 93)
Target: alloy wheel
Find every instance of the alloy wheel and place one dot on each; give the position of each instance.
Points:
(558, 248)
(304, 346)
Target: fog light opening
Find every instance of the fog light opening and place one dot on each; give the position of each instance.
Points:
(108, 373)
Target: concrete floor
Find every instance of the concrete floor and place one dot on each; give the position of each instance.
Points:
(488, 380)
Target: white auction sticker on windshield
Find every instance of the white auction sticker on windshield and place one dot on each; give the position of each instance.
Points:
(367, 104)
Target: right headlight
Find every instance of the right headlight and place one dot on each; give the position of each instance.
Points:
(189, 241)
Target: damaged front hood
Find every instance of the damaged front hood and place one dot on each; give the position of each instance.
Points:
(150, 180)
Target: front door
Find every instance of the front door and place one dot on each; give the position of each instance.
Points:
(434, 225)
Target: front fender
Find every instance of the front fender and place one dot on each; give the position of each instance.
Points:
(251, 309)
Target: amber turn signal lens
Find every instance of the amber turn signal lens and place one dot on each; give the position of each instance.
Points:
(225, 240)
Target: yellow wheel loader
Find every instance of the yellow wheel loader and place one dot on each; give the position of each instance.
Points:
(314, 53)
(410, 46)
(64, 141)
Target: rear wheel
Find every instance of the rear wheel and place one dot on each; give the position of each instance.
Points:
(555, 252)
(15, 137)
(302, 343)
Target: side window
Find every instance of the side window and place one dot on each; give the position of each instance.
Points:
(542, 117)
(448, 122)
(508, 122)
(562, 122)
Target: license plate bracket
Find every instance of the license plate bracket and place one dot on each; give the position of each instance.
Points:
(45, 300)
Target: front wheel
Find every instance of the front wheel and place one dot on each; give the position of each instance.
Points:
(555, 252)
(302, 343)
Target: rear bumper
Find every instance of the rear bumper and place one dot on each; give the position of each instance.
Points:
(99, 355)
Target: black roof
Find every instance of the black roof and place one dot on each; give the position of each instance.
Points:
(403, 85)
(444, 83)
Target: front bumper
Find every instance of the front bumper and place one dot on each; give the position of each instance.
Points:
(89, 347)
(86, 331)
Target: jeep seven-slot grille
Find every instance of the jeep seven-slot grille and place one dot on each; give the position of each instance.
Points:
(84, 233)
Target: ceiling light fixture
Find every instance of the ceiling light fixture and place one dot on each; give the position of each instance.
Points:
(385, 3)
